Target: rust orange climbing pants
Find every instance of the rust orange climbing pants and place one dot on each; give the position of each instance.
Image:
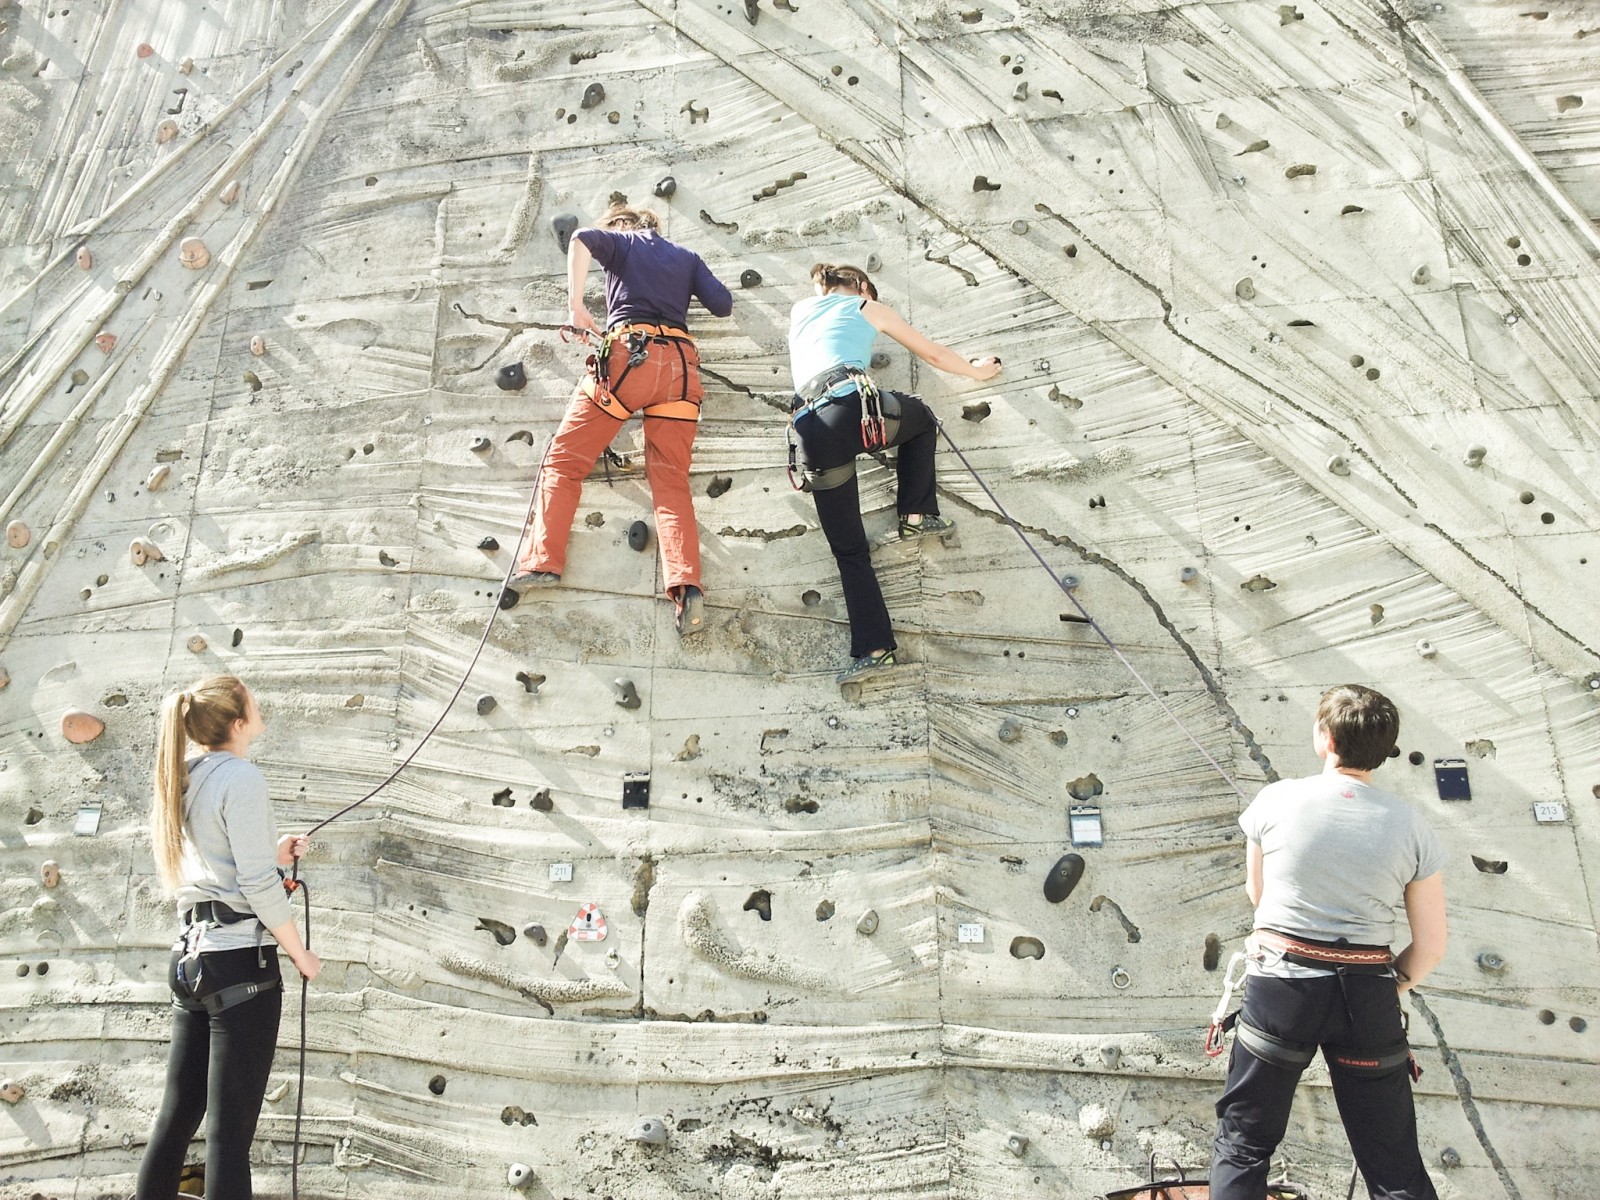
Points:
(666, 388)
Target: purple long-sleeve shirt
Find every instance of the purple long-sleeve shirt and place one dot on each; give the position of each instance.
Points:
(650, 279)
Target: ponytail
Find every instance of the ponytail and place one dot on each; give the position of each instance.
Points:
(840, 275)
(205, 714)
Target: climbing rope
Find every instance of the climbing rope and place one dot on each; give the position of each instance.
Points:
(1088, 618)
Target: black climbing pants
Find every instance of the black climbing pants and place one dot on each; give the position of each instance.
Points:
(1376, 1108)
(830, 436)
(217, 1070)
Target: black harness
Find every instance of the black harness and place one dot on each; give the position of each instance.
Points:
(191, 962)
(880, 423)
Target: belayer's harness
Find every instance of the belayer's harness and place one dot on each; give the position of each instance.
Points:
(1344, 960)
(637, 339)
(880, 423)
(190, 969)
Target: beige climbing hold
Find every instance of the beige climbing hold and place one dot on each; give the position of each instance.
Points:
(1337, 465)
(652, 1131)
(1096, 1121)
(1017, 1143)
(196, 643)
(1421, 275)
(186, 67)
(1299, 169)
(1426, 648)
(11, 1091)
(258, 345)
(230, 193)
(136, 552)
(50, 872)
(193, 254)
(85, 259)
(1405, 117)
(166, 131)
(157, 479)
(18, 535)
(79, 727)
(868, 924)
(1245, 289)
(1475, 455)
(105, 341)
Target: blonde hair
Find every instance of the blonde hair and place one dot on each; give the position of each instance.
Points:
(204, 714)
(832, 275)
(621, 216)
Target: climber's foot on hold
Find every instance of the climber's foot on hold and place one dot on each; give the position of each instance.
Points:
(915, 526)
(691, 610)
(866, 664)
(524, 582)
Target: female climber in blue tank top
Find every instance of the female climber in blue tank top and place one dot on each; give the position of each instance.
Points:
(835, 329)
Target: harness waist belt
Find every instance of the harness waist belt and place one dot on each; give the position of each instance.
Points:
(649, 330)
(215, 912)
(817, 390)
(1378, 959)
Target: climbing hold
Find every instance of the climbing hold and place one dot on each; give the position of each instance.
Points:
(105, 341)
(1010, 730)
(1421, 275)
(18, 535)
(489, 544)
(811, 597)
(193, 254)
(651, 1131)
(1020, 94)
(196, 644)
(1299, 169)
(1020, 227)
(79, 727)
(825, 910)
(166, 131)
(519, 1175)
(1086, 788)
(639, 535)
(1449, 1158)
(136, 553)
(540, 801)
(436, 1085)
(1375, 613)
(975, 412)
(481, 445)
(50, 872)
(1426, 648)
(1350, 208)
(535, 934)
(627, 694)
(1063, 877)
(1491, 963)
(1255, 147)
(691, 749)
(1475, 455)
(1288, 14)
(1027, 947)
(1058, 737)
(486, 704)
(1224, 121)
(1111, 1056)
(11, 1091)
(1070, 582)
(1525, 497)
(980, 183)
(530, 681)
(1188, 574)
(867, 924)
(718, 485)
(750, 278)
(1245, 289)
(1338, 465)
(144, 49)
(1568, 103)
(760, 903)
(1577, 1024)
(230, 192)
(564, 226)
(84, 258)
(666, 187)
(1258, 583)
(186, 67)
(238, 638)
(1096, 1121)
(157, 479)
(1546, 1017)
(874, 263)
(502, 932)
(593, 96)
(522, 435)
(258, 345)
(1489, 866)
(511, 378)
(1213, 952)
(387, 559)
(1017, 1144)
(5, 682)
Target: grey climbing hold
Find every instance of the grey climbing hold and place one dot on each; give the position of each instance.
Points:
(1017, 1143)
(639, 535)
(540, 801)
(481, 445)
(750, 278)
(388, 559)
(1010, 730)
(980, 183)
(1258, 583)
(651, 1131)
(1489, 866)
(1338, 465)
(975, 412)
(666, 187)
(1421, 275)
(1086, 788)
(874, 263)
(1449, 1158)
(1375, 613)
(1070, 582)
(1027, 947)
(879, 360)
(1245, 289)
(489, 545)
(1063, 877)
(1188, 574)
(508, 599)
(825, 910)
(868, 923)
(593, 96)
(502, 932)
(1019, 227)
(1491, 963)
(535, 934)
(564, 226)
(1020, 94)
(519, 1175)
(1213, 952)
(718, 485)
(627, 694)
(1111, 1056)
(486, 704)
(436, 1085)
(1299, 169)
(1426, 648)
(522, 435)
(1475, 455)
(760, 903)
(511, 378)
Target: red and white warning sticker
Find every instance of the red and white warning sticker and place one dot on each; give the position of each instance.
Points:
(588, 926)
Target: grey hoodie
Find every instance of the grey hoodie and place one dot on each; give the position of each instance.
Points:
(230, 849)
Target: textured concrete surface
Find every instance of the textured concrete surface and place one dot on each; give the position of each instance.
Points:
(1271, 374)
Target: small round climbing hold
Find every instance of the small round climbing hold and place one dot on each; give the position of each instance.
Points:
(481, 445)
(1426, 648)
(12, 1092)
(166, 131)
(811, 597)
(1491, 963)
(874, 263)
(489, 545)
(879, 360)
(18, 535)
(1070, 582)
(1010, 730)
(436, 1085)
(639, 536)
(196, 643)
(1525, 497)
(81, 728)
(535, 934)
(1449, 1158)
(511, 378)
(1421, 275)
(750, 278)
(192, 253)
(593, 96)
(1547, 518)
(666, 187)
(1416, 758)
(1546, 1017)
(1063, 877)
(1577, 1024)
(1245, 289)
(868, 923)
(144, 50)
(1019, 227)
(1111, 1056)
(1373, 372)
(519, 1175)
(627, 694)
(84, 259)
(1357, 361)
(486, 704)
(1188, 574)
(50, 872)
(1338, 465)
(258, 345)
(1017, 1143)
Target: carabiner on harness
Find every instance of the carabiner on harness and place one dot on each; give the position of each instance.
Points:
(1222, 1020)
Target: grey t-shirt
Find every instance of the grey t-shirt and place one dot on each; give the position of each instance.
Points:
(1336, 856)
(230, 849)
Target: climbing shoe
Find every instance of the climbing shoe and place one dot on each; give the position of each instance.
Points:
(929, 524)
(691, 611)
(524, 582)
(866, 663)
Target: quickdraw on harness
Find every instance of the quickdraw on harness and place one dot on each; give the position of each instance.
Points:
(880, 422)
(1344, 961)
(637, 339)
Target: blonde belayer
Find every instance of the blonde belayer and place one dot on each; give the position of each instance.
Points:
(205, 714)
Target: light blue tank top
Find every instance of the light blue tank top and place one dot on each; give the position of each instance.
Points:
(828, 331)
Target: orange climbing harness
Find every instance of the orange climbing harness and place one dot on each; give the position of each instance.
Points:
(603, 386)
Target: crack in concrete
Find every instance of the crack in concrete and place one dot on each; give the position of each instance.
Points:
(1469, 1106)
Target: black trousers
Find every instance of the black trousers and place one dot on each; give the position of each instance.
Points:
(217, 1070)
(830, 436)
(1379, 1118)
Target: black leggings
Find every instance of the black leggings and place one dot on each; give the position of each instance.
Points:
(218, 1070)
(830, 436)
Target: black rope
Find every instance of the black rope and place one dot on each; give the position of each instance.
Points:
(300, 1090)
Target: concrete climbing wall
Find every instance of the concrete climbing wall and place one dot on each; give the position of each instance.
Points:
(1297, 304)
